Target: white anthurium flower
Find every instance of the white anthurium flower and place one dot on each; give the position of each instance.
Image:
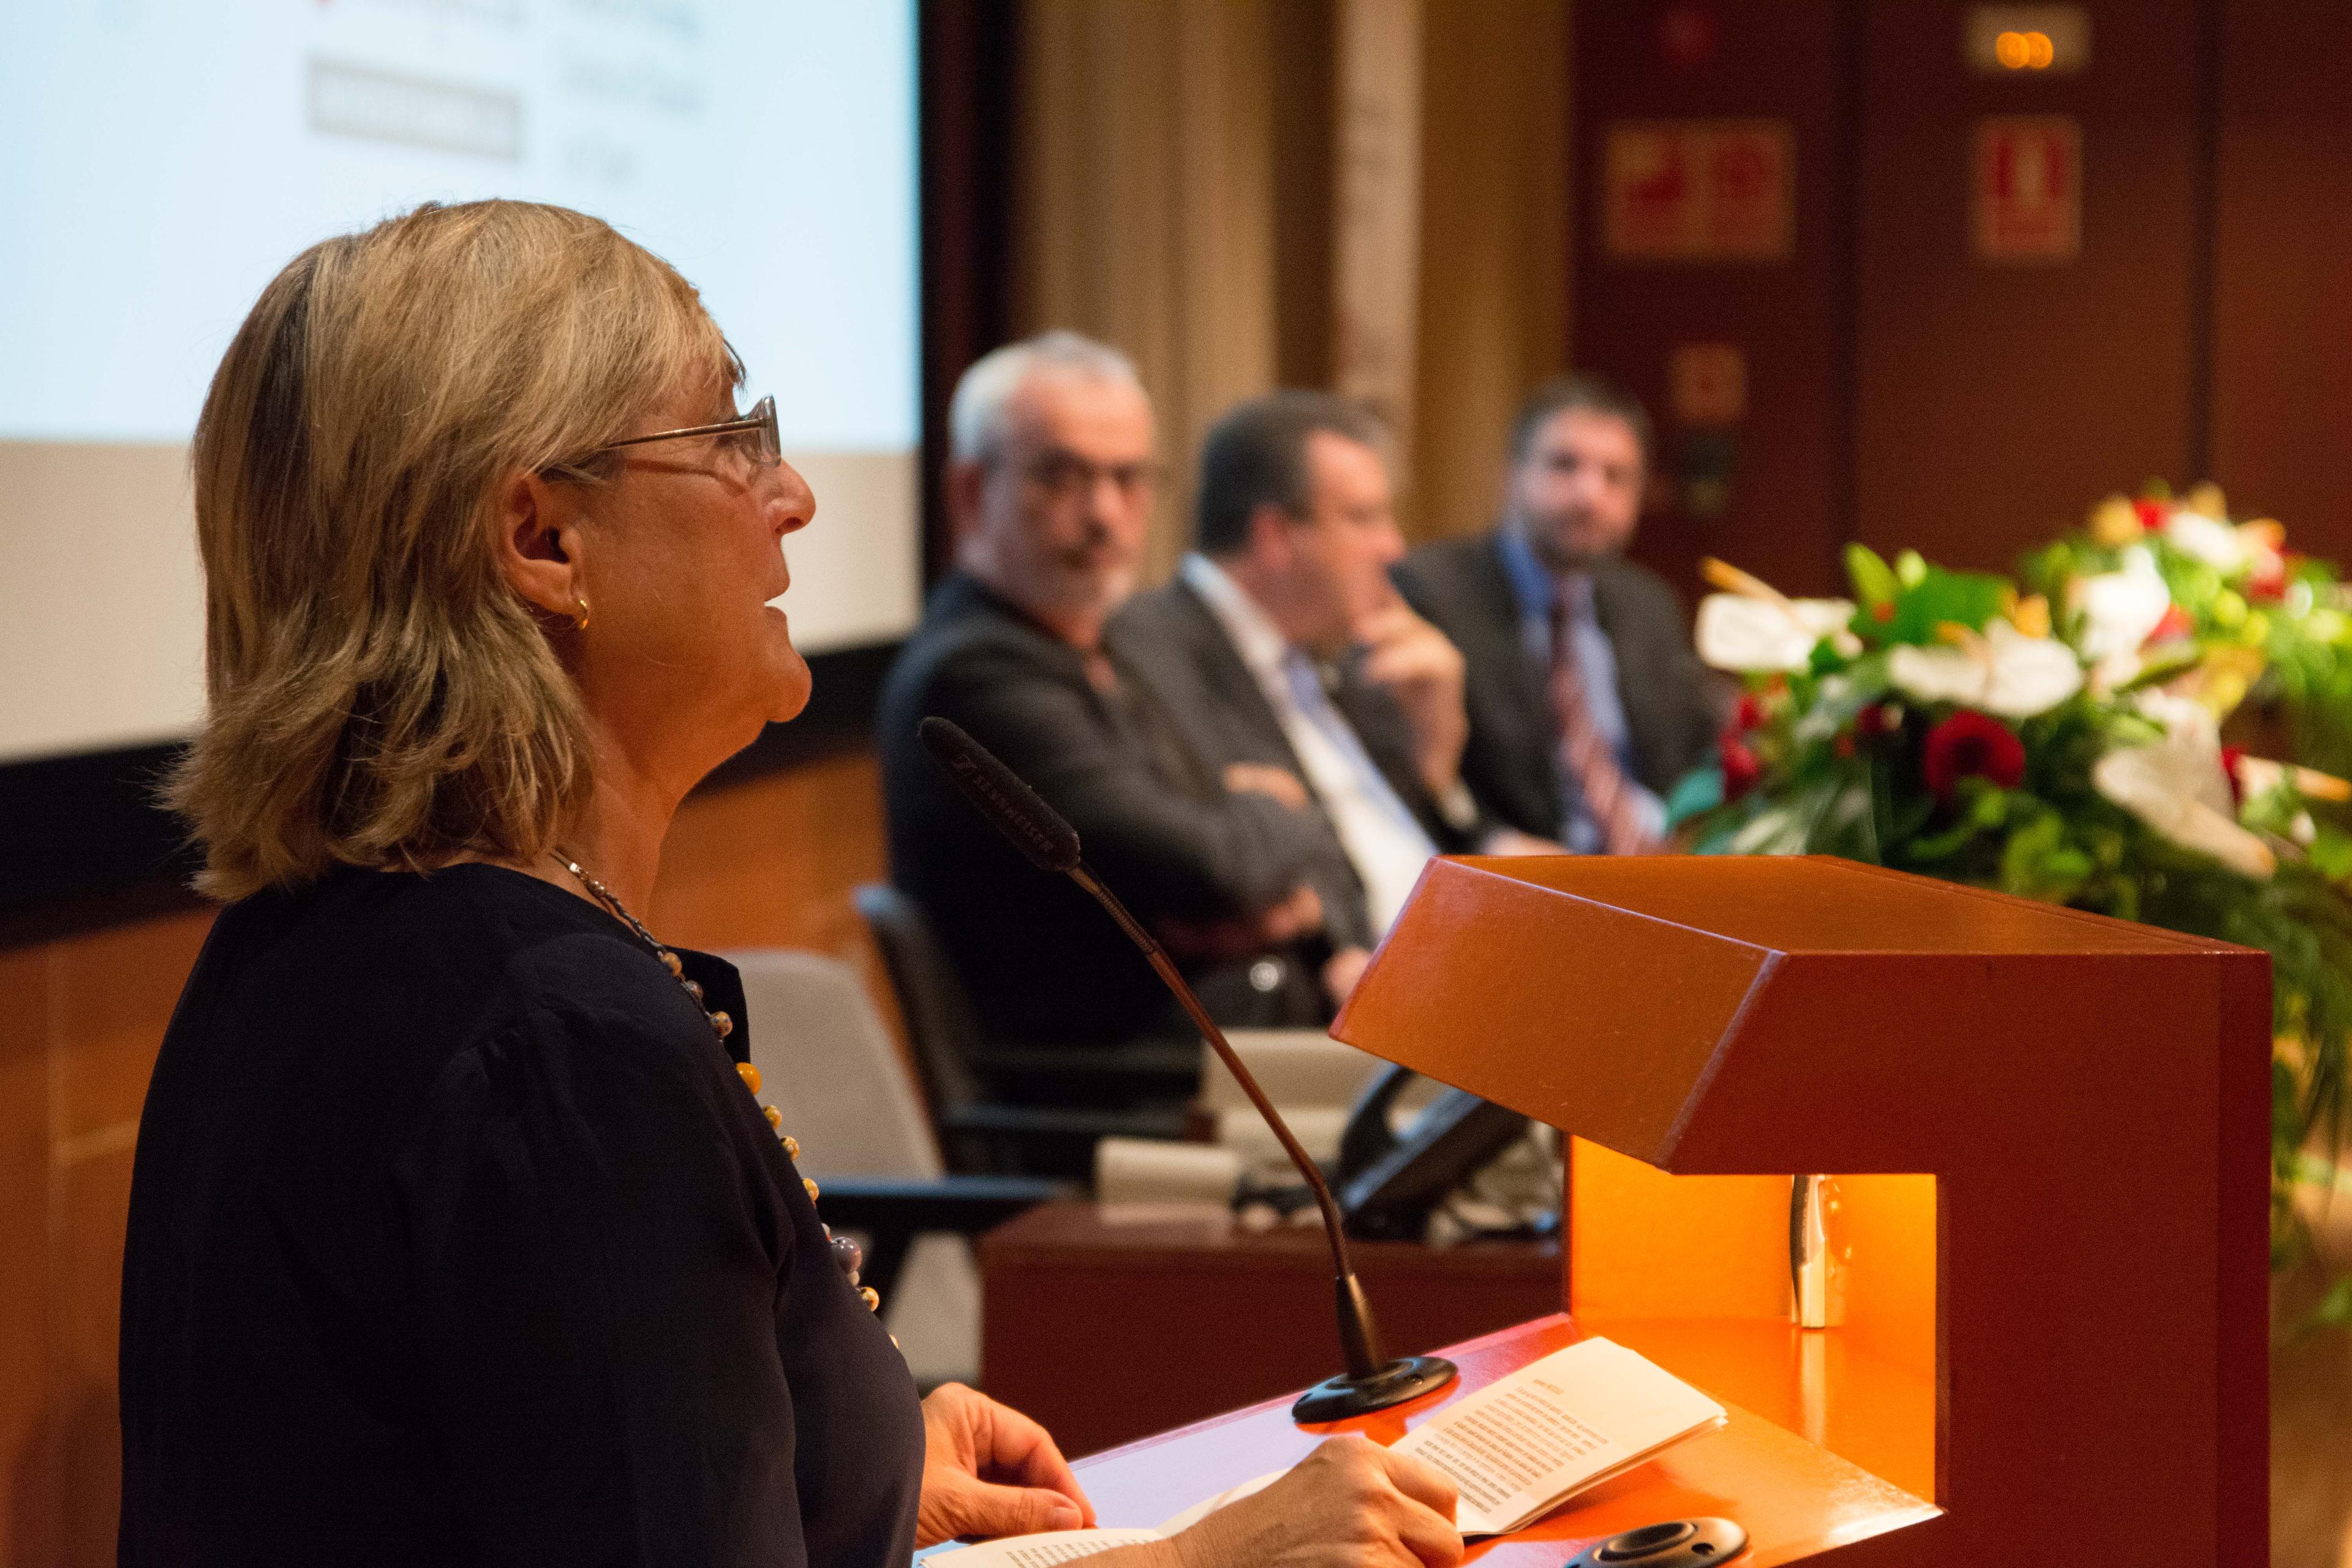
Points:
(2259, 776)
(1935, 674)
(2120, 608)
(2208, 539)
(2003, 672)
(1754, 636)
(2177, 787)
(2027, 674)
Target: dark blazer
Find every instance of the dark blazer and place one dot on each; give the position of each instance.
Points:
(1674, 707)
(1178, 646)
(1042, 961)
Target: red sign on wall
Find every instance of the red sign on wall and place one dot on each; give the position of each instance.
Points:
(2028, 202)
(1698, 190)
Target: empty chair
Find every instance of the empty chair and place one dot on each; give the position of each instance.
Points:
(828, 1064)
(1001, 1106)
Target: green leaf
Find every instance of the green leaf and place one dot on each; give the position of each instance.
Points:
(2331, 854)
(1964, 598)
(2162, 665)
(2037, 861)
(1874, 580)
(1775, 831)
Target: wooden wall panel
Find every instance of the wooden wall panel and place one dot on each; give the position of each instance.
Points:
(79, 1023)
(2282, 270)
(28, 1481)
(1995, 401)
(769, 862)
(1780, 62)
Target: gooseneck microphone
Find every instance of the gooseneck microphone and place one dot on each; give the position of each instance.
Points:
(1373, 1381)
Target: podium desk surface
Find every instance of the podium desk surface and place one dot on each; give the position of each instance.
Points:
(1796, 1501)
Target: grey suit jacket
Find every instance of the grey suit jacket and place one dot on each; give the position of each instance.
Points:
(1673, 706)
(1177, 647)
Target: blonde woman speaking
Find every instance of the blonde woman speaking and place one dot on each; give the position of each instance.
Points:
(458, 1231)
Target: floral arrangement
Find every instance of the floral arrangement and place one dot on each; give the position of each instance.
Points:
(2063, 737)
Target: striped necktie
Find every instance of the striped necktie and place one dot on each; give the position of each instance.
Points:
(1585, 755)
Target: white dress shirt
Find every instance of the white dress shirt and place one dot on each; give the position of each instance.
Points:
(1384, 841)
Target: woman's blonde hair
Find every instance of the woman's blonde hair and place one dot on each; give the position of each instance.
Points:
(379, 696)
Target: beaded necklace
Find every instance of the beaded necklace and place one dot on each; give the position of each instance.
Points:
(846, 1253)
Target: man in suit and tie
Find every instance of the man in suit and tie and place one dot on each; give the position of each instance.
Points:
(1586, 701)
(1282, 648)
(1050, 484)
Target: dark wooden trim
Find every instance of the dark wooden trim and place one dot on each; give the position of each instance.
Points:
(1845, 170)
(969, 54)
(85, 844)
(2204, 218)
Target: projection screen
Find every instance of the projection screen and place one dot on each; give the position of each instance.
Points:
(166, 159)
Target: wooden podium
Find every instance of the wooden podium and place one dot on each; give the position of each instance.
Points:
(2050, 1135)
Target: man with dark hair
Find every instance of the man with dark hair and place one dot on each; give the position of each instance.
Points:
(1586, 701)
(1283, 650)
(1050, 482)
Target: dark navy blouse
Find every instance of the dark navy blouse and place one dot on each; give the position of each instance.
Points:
(455, 1239)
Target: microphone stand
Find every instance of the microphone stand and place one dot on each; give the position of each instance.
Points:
(1373, 1381)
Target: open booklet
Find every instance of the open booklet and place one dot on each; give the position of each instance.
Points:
(1516, 1449)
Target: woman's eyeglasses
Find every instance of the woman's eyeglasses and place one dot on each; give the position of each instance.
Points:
(754, 437)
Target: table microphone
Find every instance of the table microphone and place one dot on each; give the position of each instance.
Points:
(1373, 1382)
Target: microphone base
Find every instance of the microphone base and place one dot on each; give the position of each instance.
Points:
(1337, 1398)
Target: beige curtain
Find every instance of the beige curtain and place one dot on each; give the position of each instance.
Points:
(1376, 210)
(1495, 253)
(1147, 216)
(1213, 187)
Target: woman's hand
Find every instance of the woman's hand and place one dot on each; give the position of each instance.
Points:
(990, 1470)
(1349, 1504)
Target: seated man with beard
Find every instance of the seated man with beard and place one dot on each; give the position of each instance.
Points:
(1586, 701)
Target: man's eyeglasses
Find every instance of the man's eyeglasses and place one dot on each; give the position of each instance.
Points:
(1063, 475)
(752, 437)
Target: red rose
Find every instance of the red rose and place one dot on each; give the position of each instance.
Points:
(1742, 767)
(2151, 513)
(2268, 579)
(1748, 714)
(1970, 745)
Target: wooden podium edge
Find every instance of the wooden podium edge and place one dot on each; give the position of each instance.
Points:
(1856, 1508)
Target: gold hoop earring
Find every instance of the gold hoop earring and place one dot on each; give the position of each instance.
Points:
(580, 625)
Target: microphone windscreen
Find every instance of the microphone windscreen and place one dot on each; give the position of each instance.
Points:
(1000, 795)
